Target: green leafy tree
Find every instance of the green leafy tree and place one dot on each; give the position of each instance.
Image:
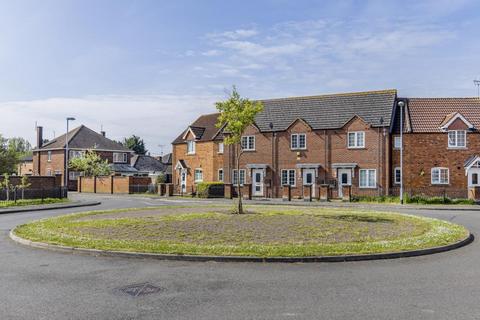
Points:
(91, 164)
(20, 146)
(6, 184)
(236, 115)
(24, 184)
(136, 144)
(8, 157)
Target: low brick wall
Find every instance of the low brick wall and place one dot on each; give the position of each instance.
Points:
(113, 184)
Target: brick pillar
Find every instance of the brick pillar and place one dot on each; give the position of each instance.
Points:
(228, 191)
(79, 184)
(347, 193)
(474, 193)
(169, 190)
(324, 192)
(247, 191)
(287, 193)
(307, 193)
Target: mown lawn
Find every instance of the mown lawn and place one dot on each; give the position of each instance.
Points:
(30, 202)
(267, 231)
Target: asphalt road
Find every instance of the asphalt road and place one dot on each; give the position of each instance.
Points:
(40, 284)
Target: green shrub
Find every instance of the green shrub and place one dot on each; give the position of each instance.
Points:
(417, 199)
(376, 199)
(204, 188)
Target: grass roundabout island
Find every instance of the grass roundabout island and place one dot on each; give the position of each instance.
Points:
(267, 231)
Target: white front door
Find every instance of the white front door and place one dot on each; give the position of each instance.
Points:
(344, 179)
(257, 185)
(183, 180)
(474, 177)
(309, 179)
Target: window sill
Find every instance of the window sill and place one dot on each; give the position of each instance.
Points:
(190, 154)
(457, 148)
(356, 148)
(298, 149)
(249, 150)
(440, 184)
(367, 187)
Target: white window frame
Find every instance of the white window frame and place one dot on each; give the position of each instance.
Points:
(49, 156)
(395, 140)
(221, 147)
(440, 182)
(295, 141)
(220, 175)
(242, 177)
(397, 169)
(196, 172)
(368, 173)
(76, 154)
(120, 157)
(356, 144)
(191, 147)
(248, 143)
(290, 181)
(455, 134)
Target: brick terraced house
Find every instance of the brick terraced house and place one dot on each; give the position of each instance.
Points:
(197, 154)
(441, 146)
(337, 140)
(49, 158)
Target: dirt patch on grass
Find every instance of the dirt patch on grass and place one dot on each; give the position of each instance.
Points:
(267, 227)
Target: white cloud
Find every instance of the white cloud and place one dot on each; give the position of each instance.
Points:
(212, 53)
(234, 35)
(156, 118)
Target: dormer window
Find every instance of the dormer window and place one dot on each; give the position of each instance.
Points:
(190, 147)
(356, 140)
(298, 141)
(248, 143)
(120, 157)
(457, 139)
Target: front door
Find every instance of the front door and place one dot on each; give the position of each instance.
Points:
(183, 180)
(309, 179)
(474, 177)
(344, 179)
(257, 178)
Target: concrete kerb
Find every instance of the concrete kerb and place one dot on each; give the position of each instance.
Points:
(51, 207)
(346, 258)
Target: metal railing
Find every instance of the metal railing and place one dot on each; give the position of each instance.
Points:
(15, 194)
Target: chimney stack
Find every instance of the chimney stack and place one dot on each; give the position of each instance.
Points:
(103, 133)
(39, 137)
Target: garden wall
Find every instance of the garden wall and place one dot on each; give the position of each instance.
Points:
(114, 184)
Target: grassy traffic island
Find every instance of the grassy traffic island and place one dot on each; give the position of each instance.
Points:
(266, 231)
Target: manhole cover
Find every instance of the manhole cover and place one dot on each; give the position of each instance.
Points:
(140, 289)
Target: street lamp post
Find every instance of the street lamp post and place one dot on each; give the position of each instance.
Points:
(67, 154)
(401, 104)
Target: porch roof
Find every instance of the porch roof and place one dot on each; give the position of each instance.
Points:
(344, 165)
(257, 166)
(309, 165)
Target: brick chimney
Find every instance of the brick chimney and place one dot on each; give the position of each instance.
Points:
(103, 133)
(39, 137)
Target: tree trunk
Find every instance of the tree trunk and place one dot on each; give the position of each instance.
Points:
(239, 190)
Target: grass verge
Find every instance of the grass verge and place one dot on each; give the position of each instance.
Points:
(30, 202)
(269, 232)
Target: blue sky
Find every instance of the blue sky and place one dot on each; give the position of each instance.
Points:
(150, 67)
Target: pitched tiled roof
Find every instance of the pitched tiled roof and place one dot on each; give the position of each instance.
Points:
(328, 111)
(204, 129)
(84, 138)
(428, 114)
(144, 163)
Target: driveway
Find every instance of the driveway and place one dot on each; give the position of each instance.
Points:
(39, 284)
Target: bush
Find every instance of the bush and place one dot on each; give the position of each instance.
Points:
(418, 199)
(377, 199)
(210, 189)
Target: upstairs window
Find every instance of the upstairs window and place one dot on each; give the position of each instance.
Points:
(457, 139)
(288, 177)
(298, 141)
(49, 156)
(248, 143)
(190, 147)
(76, 154)
(440, 176)
(220, 147)
(119, 157)
(356, 139)
(397, 142)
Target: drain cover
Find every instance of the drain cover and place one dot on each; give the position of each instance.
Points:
(140, 289)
